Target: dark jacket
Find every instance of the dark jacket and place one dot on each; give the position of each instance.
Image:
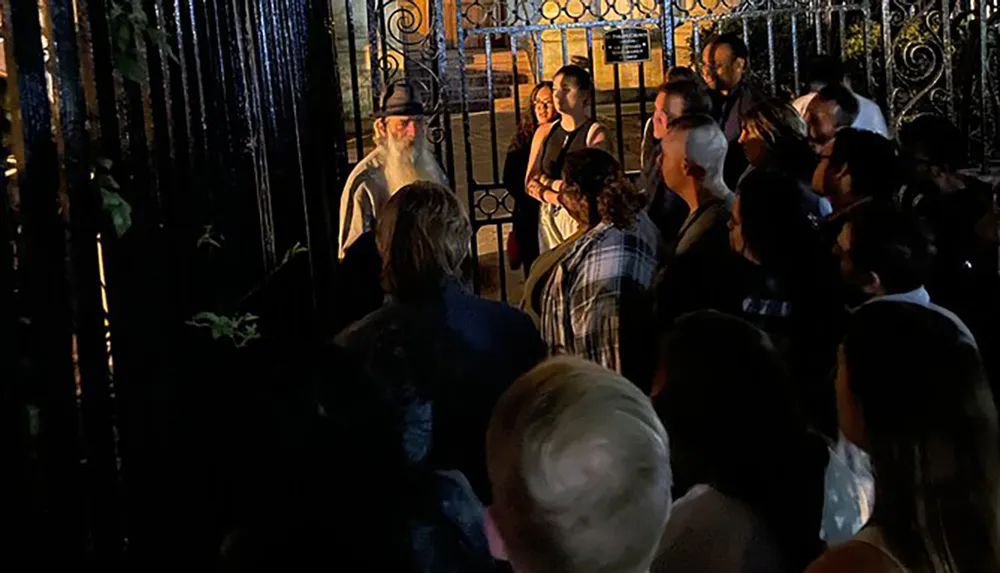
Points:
(460, 352)
(525, 215)
(729, 112)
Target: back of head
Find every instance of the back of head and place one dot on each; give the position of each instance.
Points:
(577, 74)
(774, 120)
(930, 426)
(775, 223)
(705, 143)
(890, 245)
(680, 73)
(870, 160)
(935, 140)
(822, 71)
(595, 179)
(695, 97)
(734, 423)
(846, 103)
(423, 238)
(580, 470)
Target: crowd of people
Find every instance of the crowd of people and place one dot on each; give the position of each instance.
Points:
(774, 353)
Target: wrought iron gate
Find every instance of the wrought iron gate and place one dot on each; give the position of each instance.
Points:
(479, 59)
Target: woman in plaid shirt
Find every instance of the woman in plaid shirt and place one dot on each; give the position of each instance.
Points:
(595, 289)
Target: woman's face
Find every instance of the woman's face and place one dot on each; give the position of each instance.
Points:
(545, 110)
(569, 98)
(754, 146)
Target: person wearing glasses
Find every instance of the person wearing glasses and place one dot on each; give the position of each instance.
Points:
(523, 247)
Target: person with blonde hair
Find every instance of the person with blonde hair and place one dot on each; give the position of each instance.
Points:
(580, 470)
(458, 351)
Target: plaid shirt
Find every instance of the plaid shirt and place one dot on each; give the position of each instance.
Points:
(582, 306)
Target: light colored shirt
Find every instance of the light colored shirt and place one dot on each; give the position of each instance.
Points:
(869, 118)
(921, 297)
(709, 532)
(365, 192)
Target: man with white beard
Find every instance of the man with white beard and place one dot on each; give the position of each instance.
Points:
(402, 156)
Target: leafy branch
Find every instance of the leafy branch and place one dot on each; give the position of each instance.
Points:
(240, 329)
(128, 23)
(111, 200)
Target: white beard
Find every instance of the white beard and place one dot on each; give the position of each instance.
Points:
(405, 165)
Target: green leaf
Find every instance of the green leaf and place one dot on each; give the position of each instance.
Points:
(118, 208)
(130, 67)
(103, 162)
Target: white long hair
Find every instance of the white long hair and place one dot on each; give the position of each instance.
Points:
(406, 163)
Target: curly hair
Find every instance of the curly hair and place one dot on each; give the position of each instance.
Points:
(423, 237)
(595, 180)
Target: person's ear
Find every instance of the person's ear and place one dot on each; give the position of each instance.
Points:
(872, 284)
(740, 65)
(498, 549)
(693, 170)
(380, 130)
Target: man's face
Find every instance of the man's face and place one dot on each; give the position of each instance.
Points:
(404, 130)
(672, 160)
(718, 67)
(668, 108)
(821, 117)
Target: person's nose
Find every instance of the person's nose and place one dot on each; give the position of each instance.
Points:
(410, 130)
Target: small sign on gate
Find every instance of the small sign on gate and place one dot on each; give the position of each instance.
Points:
(623, 45)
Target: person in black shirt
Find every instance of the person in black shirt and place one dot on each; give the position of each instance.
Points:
(725, 71)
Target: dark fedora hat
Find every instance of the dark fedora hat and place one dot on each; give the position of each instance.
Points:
(401, 97)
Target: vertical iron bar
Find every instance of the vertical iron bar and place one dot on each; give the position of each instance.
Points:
(540, 57)
(983, 82)
(441, 60)
(352, 52)
(619, 133)
(466, 127)
(517, 84)
(565, 47)
(889, 57)
(375, 69)
(495, 155)
(642, 97)
(746, 40)
(865, 30)
(593, 76)
(696, 34)
(818, 22)
(502, 268)
(667, 26)
(770, 55)
(842, 32)
(946, 40)
(795, 53)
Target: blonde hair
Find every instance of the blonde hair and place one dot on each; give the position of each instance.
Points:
(580, 468)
